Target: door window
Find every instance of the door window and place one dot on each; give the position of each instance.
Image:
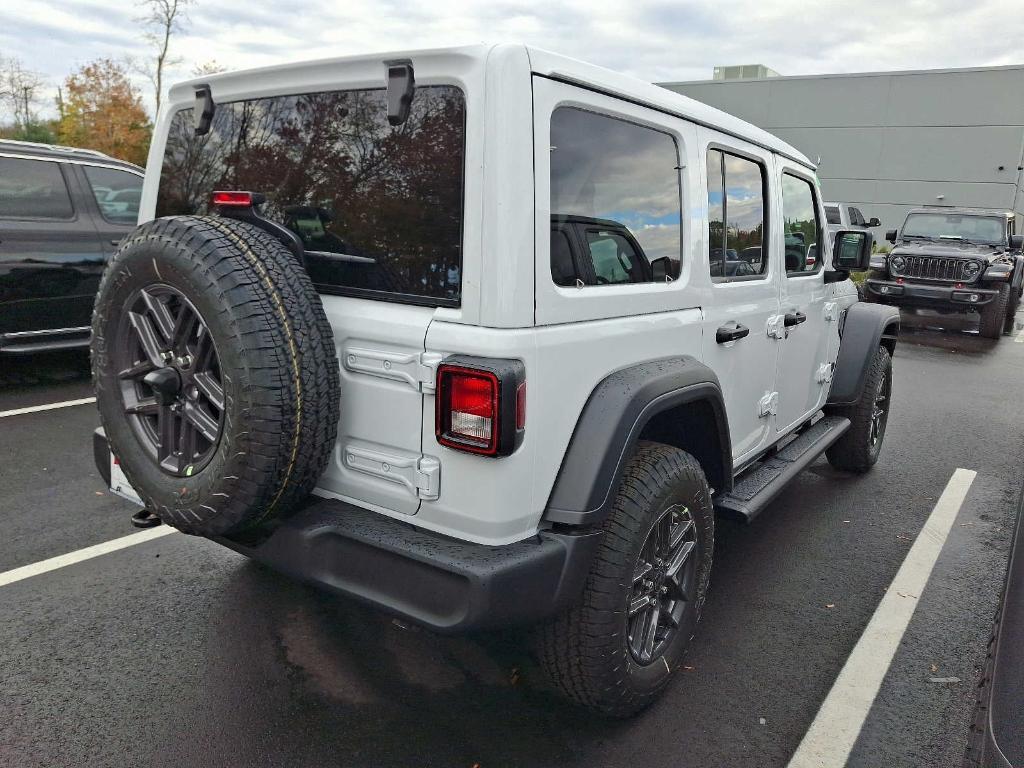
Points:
(800, 225)
(735, 216)
(623, 178)
(117, 193)
(33, 189)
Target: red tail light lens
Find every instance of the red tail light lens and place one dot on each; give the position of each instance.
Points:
(481, 405)
(232, 199)
(468, 409)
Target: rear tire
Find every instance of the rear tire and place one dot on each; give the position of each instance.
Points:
(993, 314)
(857, 450)
(603, 653)
(215, 373)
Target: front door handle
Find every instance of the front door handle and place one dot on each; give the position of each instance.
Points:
(731, 331)
(794, 318)
(115, 242)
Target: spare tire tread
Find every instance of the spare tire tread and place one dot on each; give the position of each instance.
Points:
(283, 425)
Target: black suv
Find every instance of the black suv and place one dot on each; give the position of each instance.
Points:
(62, 213)
(953, 260)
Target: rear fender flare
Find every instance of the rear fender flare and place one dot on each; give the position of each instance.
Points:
(615, 415)
(865, 327)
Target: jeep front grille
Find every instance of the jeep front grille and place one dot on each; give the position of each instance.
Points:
(930, 268)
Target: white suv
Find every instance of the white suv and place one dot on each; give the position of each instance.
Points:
(483, 336)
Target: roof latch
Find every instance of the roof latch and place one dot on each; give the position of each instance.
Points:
(202, 112)
(401, 87)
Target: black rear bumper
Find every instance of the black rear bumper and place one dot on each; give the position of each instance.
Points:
(446, 584)
(929, 295)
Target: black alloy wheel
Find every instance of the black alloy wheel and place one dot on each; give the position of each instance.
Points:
(880, 411)
(664, 581)
(170, 379)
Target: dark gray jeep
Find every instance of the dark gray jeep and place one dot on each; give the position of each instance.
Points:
(953, 260)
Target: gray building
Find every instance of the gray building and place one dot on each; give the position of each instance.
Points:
(888, 141)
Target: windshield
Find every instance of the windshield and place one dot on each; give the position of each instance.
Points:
(378, 208)
(954, 226)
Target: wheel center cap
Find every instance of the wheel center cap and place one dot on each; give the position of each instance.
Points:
(166, 384)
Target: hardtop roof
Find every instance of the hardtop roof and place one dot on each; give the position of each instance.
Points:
(543, 63)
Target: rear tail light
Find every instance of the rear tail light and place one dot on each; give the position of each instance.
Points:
(481, 405)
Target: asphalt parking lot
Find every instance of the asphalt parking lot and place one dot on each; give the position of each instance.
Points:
(177, 652)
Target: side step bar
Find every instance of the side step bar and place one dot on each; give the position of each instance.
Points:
(765, 480)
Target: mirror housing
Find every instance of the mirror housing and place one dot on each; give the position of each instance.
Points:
(874, 222)
(851, 250)
(891, 235)
(1016, 242)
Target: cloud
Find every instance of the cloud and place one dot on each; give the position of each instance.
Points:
(655, 40)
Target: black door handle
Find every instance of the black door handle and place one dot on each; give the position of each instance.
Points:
(730, 332)
(794, 318)
(115, 242)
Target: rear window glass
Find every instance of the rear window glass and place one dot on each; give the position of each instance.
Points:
(379, 208)
(33, 189)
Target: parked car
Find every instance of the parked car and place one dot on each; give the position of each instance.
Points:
(518, 380)
(62, 213)
(954, 260)
(846, 216)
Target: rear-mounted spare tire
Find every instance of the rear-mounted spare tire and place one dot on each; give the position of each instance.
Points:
(215, 373)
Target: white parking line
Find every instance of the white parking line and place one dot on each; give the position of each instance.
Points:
(62, 561)
(47, 407)
(830, 738)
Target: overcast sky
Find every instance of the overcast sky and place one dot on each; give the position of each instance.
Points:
(656, 40)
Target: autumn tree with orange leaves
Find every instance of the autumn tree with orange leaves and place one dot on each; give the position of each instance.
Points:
(101, 109)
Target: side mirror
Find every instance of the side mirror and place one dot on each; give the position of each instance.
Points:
(1016, 242)
(874, 222)
(851, 250)
(891, 235)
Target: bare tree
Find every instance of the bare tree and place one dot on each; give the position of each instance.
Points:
(160, 20)
(19, 91)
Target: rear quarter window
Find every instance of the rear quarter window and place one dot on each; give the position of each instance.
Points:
(379, 208)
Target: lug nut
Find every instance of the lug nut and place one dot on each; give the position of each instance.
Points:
(664, 590)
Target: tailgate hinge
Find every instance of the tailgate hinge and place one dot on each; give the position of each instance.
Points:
(768, 405)
(420, 475)
(417, 369)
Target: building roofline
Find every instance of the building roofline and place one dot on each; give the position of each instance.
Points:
(830, 75)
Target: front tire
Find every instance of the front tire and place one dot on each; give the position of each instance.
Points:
(857, 450)
(993, 315)
(615, 651)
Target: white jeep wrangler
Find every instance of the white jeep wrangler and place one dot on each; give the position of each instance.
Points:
(483, 336)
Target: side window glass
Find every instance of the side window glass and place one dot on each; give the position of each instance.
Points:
(618, 182)
(832, 215)
(800, 225)
(117, 193)
(856, 217)
(33, 189)
(735, 216)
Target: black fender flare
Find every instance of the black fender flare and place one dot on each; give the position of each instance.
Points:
(865, 327)
(610, 425)
(1017, 278)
